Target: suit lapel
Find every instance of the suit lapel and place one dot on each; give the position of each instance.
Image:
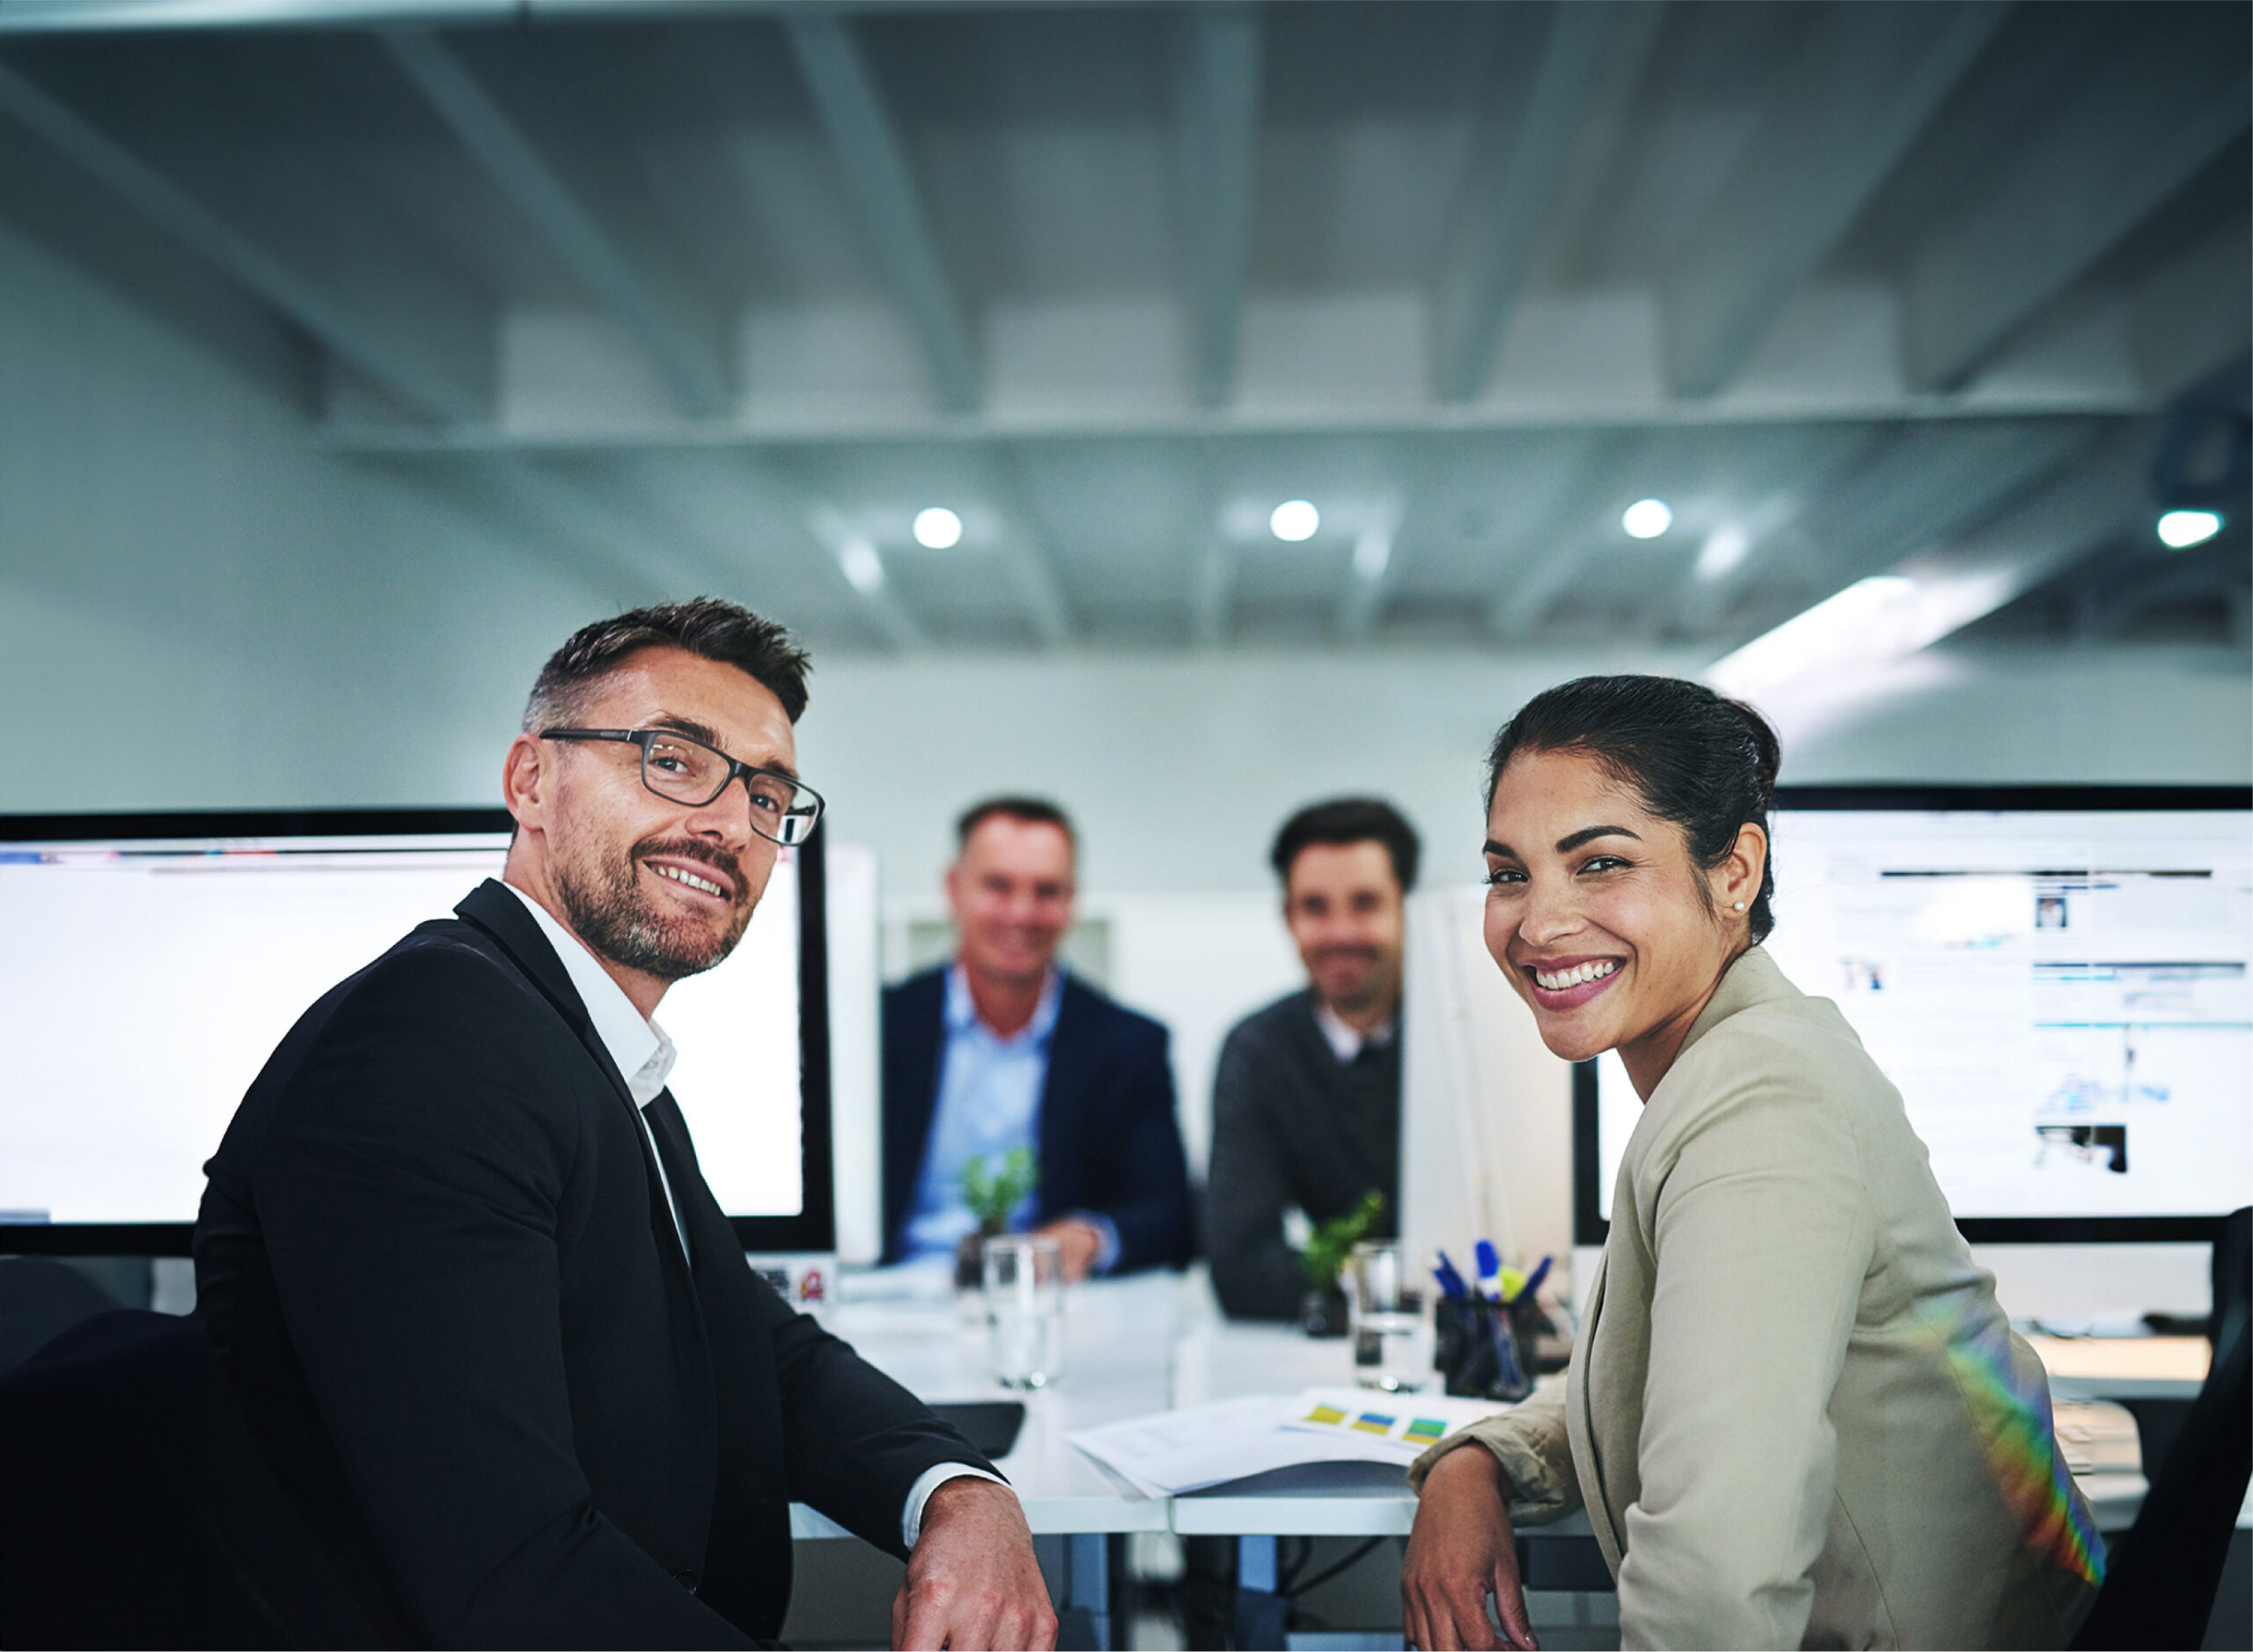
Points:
(492, 908)
(1070, 1054)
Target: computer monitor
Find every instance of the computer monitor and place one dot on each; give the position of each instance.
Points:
(149, 964)
(2056, 980)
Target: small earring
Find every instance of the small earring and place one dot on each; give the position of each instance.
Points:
(1740, 906)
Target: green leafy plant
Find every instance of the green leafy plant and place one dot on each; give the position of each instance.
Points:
(1324, 1256)
(992, 1193)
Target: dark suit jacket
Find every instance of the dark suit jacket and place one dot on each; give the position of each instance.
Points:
(436, 1264)
(1108, 1139)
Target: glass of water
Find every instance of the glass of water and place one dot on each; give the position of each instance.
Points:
(1392, 1334)
(1024, 1308)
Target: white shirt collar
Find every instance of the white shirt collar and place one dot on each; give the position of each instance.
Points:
(639, 1045)
(1346, 1042)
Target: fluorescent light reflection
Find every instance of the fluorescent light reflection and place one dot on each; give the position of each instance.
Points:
(1648, 518)
(1294, 521)
(2179, 530)
(861, 564)
(1870, 625)
(937, 528)
(1724, 549)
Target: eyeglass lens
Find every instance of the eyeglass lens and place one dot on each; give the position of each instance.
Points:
(689, 771)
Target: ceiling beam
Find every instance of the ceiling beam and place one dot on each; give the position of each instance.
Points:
(427, 342)
(873, 160)
(1026, 553)
(685, 339)
(1864, 83)
(2137, 126)
(1373, 576)
(1218, 131)
(1515, 176)
(2194, 314)
(1556, 545)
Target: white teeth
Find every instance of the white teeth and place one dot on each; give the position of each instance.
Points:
(1558, 980)
(690, 878)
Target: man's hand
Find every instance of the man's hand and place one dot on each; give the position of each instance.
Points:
(1080, 1242)
(1460, 1548)
(971, 1583)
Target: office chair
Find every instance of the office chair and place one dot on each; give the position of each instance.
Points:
(2159, 1589)
(40, 1299)
(137, 1509)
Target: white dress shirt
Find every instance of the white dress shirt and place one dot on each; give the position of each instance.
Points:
(1345, 1041)
(644, 1056)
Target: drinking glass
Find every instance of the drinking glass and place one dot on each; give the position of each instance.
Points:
(1024, 1308)
(1392, 1334)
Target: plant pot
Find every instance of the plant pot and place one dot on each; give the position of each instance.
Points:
(1322, 1313)
(970, 1260)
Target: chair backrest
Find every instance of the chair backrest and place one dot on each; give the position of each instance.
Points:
(2159, 1589)
(135, 1508)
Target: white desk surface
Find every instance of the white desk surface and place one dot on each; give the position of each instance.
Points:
(1155, 1342)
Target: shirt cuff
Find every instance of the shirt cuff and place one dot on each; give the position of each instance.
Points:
(911, 1518)
(1106, 1232)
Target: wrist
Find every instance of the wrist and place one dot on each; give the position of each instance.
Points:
(1471, 1467)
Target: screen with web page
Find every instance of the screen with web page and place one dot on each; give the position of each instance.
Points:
(146, 979)
(2060, 994)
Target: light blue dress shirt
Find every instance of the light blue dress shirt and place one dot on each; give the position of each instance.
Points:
(988, 1102)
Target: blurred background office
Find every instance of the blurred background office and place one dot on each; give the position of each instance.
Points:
(1183, 411)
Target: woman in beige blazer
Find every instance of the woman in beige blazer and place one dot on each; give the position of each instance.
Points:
(1794, 1414)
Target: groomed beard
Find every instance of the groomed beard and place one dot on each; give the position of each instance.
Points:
(617, 918)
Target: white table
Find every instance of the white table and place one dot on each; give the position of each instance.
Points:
(1156, 1342)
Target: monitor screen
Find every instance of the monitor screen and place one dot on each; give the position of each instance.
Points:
(2056, 981)
(153, 963)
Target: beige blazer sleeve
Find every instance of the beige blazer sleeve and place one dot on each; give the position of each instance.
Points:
(1762, 1234)
(1529, 1441)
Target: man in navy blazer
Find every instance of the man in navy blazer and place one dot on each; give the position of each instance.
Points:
(1001, 1049)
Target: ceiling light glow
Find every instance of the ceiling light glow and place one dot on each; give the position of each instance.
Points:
(862, 565)
(1648, 518)
(1294, 521)
(1724, 549)
(937, 528)
(2178, 530)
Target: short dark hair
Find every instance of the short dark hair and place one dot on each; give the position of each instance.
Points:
(1032, 811)
(1705, 762)
(703, 626)
(1349, 820)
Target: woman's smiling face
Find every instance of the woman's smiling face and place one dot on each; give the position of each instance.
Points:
(1599, 916)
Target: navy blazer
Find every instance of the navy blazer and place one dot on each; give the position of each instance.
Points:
(437, 1267)
(1108, 1139)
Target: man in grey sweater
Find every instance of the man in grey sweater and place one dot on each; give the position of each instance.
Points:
(1306, 1102)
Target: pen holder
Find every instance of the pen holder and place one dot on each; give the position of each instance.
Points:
(1478, 1352)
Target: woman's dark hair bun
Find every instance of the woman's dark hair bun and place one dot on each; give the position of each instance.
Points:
(1705, 762)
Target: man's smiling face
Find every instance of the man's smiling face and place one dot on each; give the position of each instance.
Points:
(655, 887)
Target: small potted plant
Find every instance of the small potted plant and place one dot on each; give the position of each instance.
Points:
(1322, 1311)
(992, 1193)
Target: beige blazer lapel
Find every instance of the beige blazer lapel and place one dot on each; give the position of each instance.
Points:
(1579, 1423)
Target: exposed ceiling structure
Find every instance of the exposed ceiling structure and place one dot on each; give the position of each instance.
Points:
(719, 296)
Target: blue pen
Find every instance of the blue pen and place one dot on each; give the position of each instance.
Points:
(1533, 1280)
(1450, 1281)
(1490, 1271)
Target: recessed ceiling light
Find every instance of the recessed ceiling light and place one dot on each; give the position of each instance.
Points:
(1294, 520)
(2181, 529)
(1648, 518)
(937, 528)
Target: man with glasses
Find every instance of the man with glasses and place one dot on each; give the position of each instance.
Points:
(491, 1327)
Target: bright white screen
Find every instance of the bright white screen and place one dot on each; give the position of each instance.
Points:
(2062, 998)
(143, 985)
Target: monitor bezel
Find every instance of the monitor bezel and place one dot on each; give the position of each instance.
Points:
(1589, 1227)
(812, 1230)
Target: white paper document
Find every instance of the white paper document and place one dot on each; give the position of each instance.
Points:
(1209, 1445)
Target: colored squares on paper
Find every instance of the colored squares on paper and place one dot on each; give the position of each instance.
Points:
(1373, 1422)
(1423, 1431)
(1330, 1416)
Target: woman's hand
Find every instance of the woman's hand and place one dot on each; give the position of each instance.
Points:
(1461, 1550)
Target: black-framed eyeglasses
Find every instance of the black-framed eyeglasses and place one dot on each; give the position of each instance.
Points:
(681, 768)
